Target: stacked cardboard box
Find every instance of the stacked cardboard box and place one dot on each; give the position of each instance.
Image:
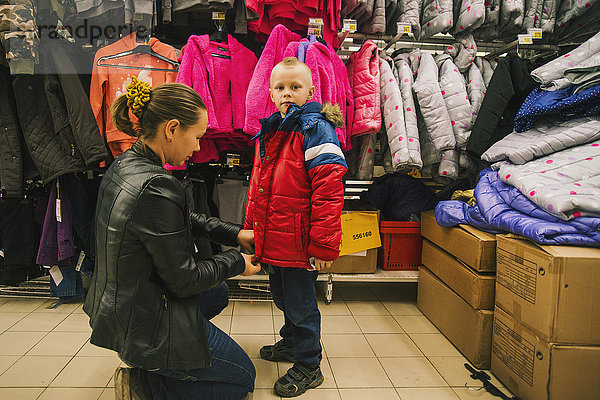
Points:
(546, 338)
(456, 286)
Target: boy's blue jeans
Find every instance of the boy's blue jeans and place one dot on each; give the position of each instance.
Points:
(293, 291)
(231, 373)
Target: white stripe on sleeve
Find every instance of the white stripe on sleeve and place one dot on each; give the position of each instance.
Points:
(326, 148)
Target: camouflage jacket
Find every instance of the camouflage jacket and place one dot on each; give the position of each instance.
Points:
(19, 40)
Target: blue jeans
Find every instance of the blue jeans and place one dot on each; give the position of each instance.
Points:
(293, 291)
(231, 373)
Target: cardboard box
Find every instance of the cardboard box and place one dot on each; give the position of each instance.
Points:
(553, 290)
(533, 369)
(476, 289)
(361, 263)
(470, 330)
(475, 248)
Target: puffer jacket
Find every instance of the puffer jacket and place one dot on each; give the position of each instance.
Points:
(363, 73)
(405, 78)
(510, 85)
(454, 91)
(486, 69)
(548, 18)
(59, 130)
(258, 103)
(410, 12)
(476, 90)
(296, 193)
(571, 9)
(374, 23)
(511, 15)
(463, 52)
(436, 133)
(143, 299)
(404, 149)
(470, 16)
(437, 17)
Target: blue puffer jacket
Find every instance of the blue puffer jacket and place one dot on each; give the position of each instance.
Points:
(503, 208)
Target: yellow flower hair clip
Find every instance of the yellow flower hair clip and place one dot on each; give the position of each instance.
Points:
(138, 95)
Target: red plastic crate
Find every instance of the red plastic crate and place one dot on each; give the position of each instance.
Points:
(401, 245)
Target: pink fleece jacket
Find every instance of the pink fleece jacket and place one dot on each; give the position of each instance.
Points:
(258, 102)
(363, 71)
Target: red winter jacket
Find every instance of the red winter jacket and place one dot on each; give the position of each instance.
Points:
(296, 193)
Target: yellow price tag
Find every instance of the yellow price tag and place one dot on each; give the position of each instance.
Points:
(314, 31)
(315, 21)
(360, 231)
(218, 15)
(406, 29)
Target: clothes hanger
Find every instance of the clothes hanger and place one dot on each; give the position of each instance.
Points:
(142, 49)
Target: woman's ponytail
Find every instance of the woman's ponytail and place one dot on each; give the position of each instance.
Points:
(119, 112)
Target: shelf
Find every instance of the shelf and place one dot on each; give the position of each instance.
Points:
(379, 276)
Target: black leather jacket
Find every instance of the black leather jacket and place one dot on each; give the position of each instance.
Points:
(143, 299)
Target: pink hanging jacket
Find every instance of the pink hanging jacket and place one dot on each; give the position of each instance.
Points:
(363, 72)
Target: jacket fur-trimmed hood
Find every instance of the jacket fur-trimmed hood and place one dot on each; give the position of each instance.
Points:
(333, 114)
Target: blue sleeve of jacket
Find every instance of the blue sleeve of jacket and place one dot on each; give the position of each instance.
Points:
(322, 147)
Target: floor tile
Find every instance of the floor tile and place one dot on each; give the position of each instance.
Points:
(320, 393)
(353, 345)
(33, 371)
(75, 323)
(64, 308)
(416, 324)
(79, 309)
(223, 322)
(454, 372)
(252, 325)
(91, 350)
(39, 322)
(275, 310)
(8, 319)
(21, 393)
(328, 383)
(358, 372)
(406, 307)
(252, 343)
(87, 372)
(71, 393)
(367, 308)
(411, 372)
(393, 345)
(358, 293)
(369, 394)
(6, 362)
(19, 343)
(229, 309)
(21, 305)
(477, 394)
(59, 344)
(427, 393)
(334, 308)
(434, 344)
(338, 324)
(252, 308)
(259, 394)
(266, 374)
(378, 324)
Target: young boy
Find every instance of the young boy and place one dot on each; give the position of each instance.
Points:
(294, 206)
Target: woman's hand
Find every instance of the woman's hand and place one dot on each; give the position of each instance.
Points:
(252, 267)
(320, 264)
(246, 239)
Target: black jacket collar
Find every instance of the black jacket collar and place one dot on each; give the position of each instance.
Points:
(141, 148)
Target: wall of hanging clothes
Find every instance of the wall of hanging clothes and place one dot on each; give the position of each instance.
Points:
(446, 110)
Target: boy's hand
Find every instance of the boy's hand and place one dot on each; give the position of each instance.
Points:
(252, 267)
(320, 264)
(246, 239)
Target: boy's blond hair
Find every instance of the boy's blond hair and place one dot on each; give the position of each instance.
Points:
(291, 62)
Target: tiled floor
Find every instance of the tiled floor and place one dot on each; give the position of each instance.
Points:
(377, 345)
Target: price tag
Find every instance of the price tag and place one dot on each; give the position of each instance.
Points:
(525, 39)
(233, 160)
(138, 17)
(404, 28)
(315, 31)
(80, 261)
(58, 211)
(535, 32)
(315, 21)
(218, 15)
(350, 25)
(56, 275)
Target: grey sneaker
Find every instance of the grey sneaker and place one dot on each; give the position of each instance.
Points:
(298, 380)
(131, 384)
